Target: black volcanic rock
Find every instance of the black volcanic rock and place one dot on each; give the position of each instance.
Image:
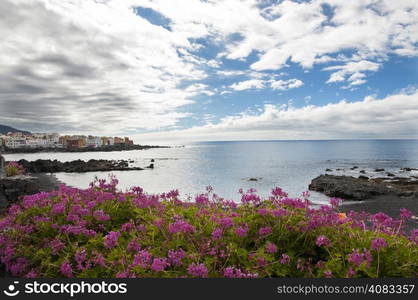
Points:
(347, 187)
(13, 188)
(351, 188)
(409, 169)
(76, 166)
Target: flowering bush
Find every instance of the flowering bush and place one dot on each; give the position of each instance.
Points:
(13, 169)
(103, 232)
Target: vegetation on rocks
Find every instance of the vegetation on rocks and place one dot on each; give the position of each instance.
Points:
(13, 169)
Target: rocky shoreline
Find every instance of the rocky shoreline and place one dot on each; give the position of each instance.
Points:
(87, 149)
(78, 166)
(362, 188)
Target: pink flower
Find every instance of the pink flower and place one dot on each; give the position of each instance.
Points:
(357, 258)
(202, 199)
(405, 214)
(180, 226)
(197, 270)
(335, 202)
(285, 259)
(271, 248)
(265, 230)
(217, 234)
(232, 272)
(278, 192)
(414, 236)
(56, 246)
(322, 240)
(241, 231)
(280, 212)
(175, 257)
(111, 239)
(378, 244)
(351, 272)
(58, 209)
(263, 212)
(159, 264)
(66, 269)
(158, 222)
(127, 227)
(226, 222)
(142, 259)
(100, 215)
(328, 274)
(80, 257)
(99, 260)
(32, 274)
(133, 246)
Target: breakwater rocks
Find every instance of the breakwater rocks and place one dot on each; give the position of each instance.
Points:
(352, 188)
(76, 166)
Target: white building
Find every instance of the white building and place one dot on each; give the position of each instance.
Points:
(45, 140)
(14, 142)
(94, 141)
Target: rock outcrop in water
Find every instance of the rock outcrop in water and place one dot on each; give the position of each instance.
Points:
(351, 188)
(76, 166)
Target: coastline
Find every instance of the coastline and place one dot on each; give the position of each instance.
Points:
(113, 148)
(79, 166)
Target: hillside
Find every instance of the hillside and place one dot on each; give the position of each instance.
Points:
(5, 129)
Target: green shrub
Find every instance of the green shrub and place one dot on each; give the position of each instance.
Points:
(13, 169)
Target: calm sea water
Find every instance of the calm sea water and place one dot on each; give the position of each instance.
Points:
(227, 166)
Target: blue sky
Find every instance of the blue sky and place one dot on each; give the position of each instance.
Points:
(212, 70)
(395, 75)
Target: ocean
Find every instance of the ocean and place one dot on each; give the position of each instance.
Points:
(228, 166)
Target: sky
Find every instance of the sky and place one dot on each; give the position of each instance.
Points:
(174, 71)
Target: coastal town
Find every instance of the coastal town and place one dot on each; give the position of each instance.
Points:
(21, 140)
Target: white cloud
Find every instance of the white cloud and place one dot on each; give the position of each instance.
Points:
(280, 85)
(283, 85)
(392, 117)
(353, 70)
(89, 66)
(248, 84)
(300, 32)
(97, 67)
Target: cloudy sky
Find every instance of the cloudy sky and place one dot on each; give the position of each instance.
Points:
(177, 70)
